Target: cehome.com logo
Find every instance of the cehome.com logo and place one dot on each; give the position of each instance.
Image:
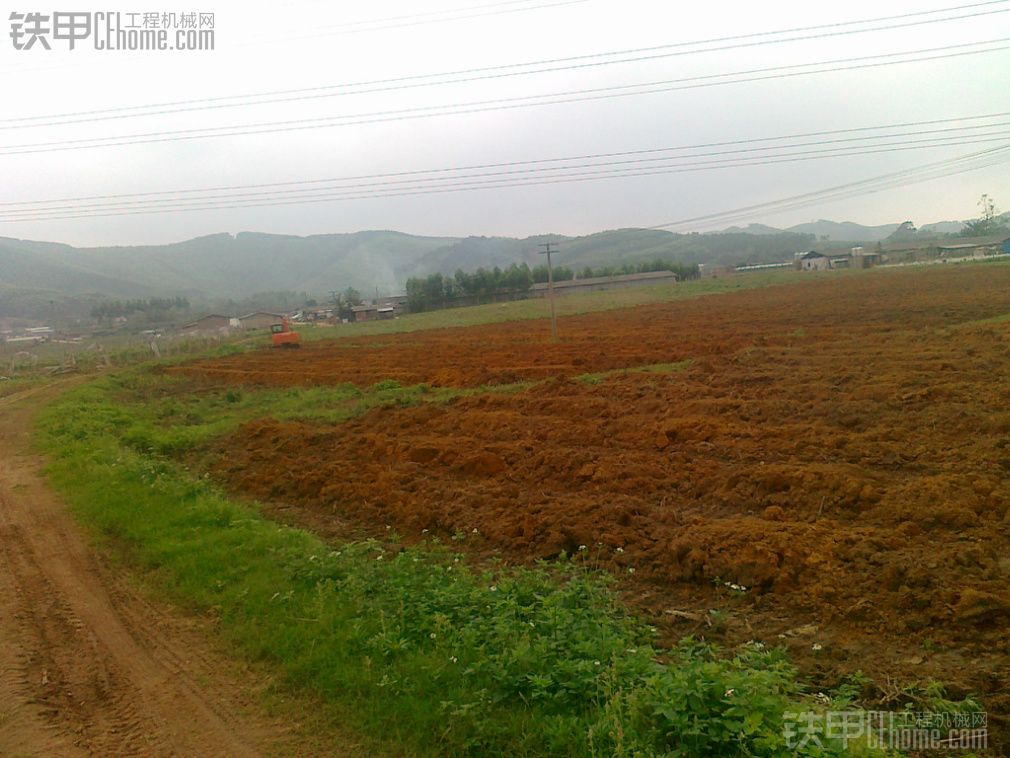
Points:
(101, 30)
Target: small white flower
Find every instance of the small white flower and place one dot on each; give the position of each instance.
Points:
(582, 547)
(378, 557)
(475, 531)
(454, 659)
(432, 635)
(532, 624)
(596, 663)
(388, 527)
(620, 550)
(729, 692)
(631, 569)
(494, 588)
(424, 531)
(817, 646)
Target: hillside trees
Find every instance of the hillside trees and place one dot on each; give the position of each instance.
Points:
(154, 308)
(424, 292)
(344, 302)
(990, 222)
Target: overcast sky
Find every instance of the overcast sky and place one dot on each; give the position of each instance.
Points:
(264, 47)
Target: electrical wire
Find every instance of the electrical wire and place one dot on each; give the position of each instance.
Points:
(362, 193)
(480, 74)
(941, 169)
(741, 159)
(885, 129)
(500, 103)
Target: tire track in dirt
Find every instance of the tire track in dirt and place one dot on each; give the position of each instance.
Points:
(87, 665)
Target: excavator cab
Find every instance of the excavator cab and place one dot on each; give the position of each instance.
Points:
(282, 336)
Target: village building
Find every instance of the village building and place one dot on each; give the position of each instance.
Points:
(372, 312)
(812, 261)
(975, 247)
(210, 325)
(259, 320)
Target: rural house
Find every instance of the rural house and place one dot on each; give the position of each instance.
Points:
(812, 261)
(975, 247)
(259, 320)
(372, 312)
(211, 324)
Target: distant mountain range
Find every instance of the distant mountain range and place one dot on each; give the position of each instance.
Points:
(847, 231)
(227, 266)
(36, 276)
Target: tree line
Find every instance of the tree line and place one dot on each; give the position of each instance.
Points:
(436, 290)
(111, 309)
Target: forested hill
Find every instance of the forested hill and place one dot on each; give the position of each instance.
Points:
(236, 266)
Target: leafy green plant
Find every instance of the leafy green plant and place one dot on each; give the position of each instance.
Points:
(429, 651)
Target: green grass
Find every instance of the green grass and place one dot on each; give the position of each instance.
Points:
(428, 651)
(11, 386)
(651, 368)
(1001, 319)
(420, 648)
(586, 302)
(119, 350)
(567, 305)
(167, 418)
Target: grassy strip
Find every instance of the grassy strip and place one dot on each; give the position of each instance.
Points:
(428, 652)
(11, 386)
(650, 368)
(167, 417)
(567, 305)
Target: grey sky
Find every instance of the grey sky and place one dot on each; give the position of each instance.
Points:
(266, 46)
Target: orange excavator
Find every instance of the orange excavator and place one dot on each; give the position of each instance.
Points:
(282, 335)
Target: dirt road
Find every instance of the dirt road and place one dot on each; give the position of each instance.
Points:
(87, 665)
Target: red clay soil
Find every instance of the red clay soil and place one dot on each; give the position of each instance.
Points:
(841, 449)
(661, 333)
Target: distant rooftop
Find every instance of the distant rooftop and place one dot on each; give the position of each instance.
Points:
(645, 276)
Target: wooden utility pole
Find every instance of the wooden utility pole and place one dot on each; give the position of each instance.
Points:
(550, 284)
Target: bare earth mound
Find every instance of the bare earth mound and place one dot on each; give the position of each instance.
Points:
(840, 449)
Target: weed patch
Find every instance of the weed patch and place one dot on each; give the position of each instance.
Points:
(431, 652)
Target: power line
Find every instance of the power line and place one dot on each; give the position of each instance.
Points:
(752, 211)
(583, 157)
(557, 171)
(503, 103)
(201, 204)
(430, 14)
(273, 39)
(961, 164)
(443, 16)
(353, 192)
(484, 73)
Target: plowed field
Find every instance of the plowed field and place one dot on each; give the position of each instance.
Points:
(839, 449)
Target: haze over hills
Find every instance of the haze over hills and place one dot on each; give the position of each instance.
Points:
(224, 267)
(848, 231)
